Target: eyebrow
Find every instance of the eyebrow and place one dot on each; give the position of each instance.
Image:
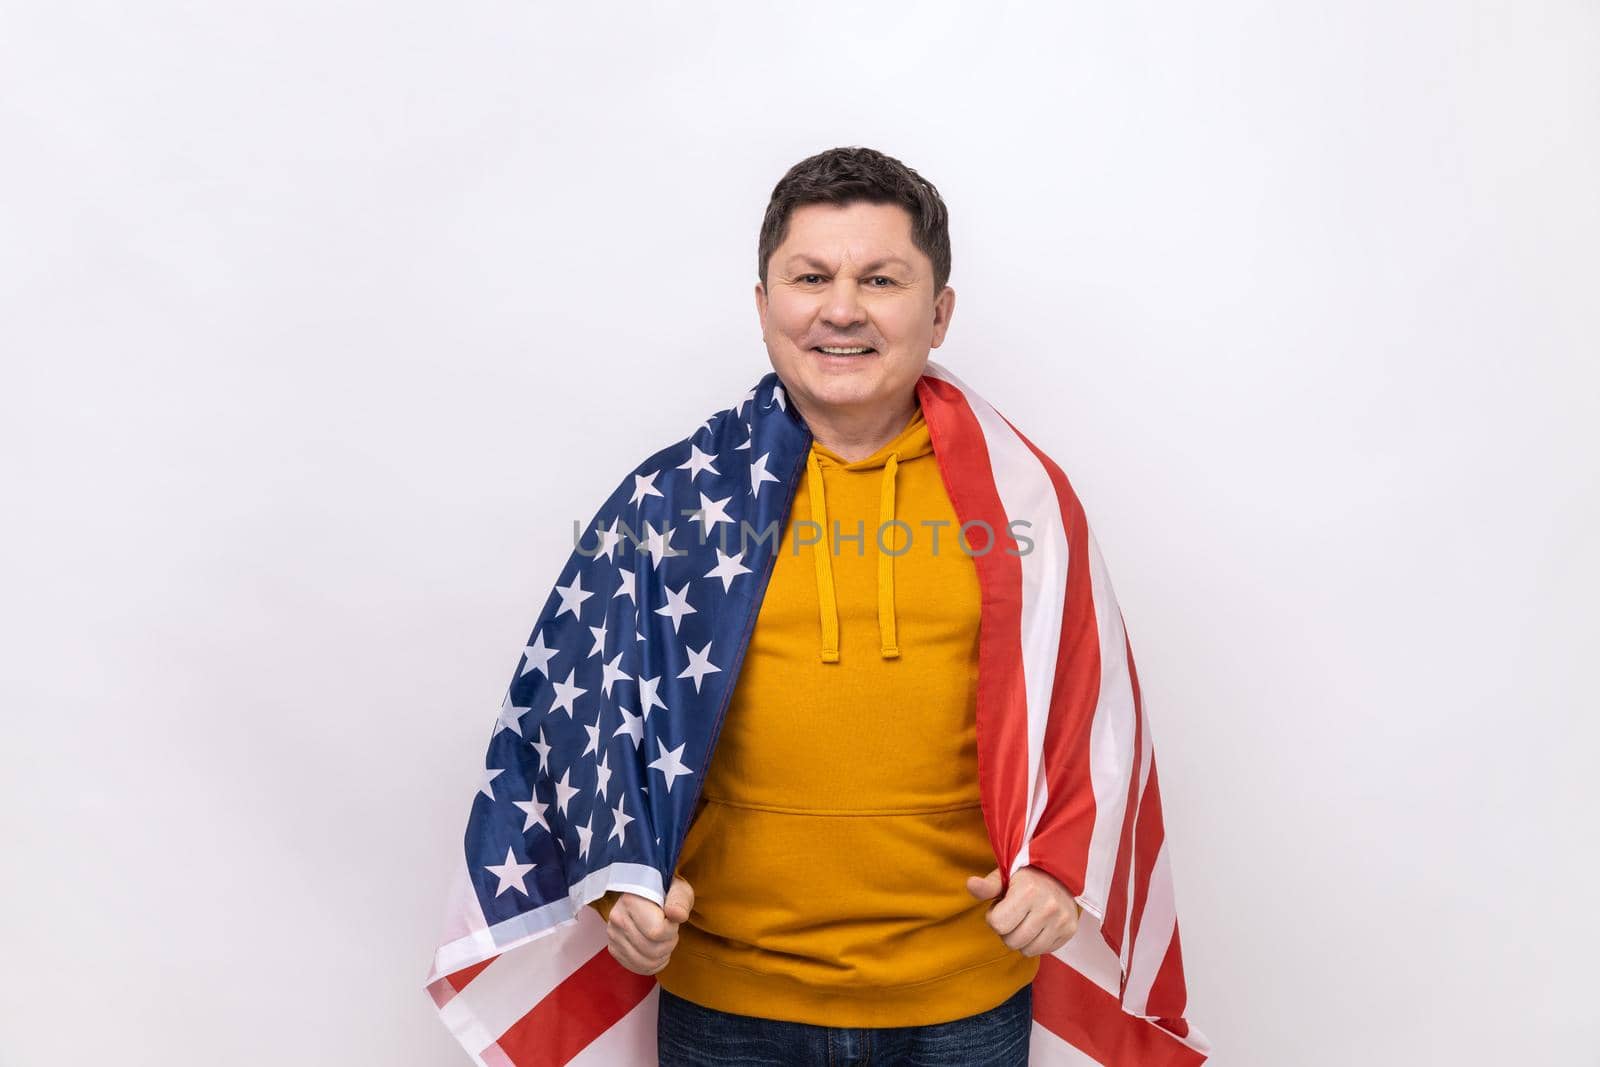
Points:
(817, 264)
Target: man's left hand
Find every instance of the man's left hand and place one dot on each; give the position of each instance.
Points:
(1038, 914)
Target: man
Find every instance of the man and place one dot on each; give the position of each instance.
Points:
(853, 882)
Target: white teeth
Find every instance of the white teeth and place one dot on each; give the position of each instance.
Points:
(844, 351)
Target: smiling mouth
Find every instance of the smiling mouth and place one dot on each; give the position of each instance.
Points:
(853, 350)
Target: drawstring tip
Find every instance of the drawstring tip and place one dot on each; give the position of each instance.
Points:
(891, 652)
(830, 656)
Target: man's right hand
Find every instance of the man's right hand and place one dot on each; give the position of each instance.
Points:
(641, 935)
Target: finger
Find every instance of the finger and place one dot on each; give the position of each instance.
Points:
(630, 957)
(650, 950)
(1047, 940)
(680, 900)
(653, 956)
(1006, 915)
(644, 921)
(987, 887)
(1031, 926)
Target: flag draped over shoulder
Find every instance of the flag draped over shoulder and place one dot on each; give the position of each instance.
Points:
(611, 718)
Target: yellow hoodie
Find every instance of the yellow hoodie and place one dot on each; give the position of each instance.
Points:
(840, 817)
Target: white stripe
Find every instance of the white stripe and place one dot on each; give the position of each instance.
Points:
(1046, 1049)
(636, 878)
(1089, 955)
(632, 1039)
(1146, 749)
(1155, 936)
(1026, 492)
(1111, 737)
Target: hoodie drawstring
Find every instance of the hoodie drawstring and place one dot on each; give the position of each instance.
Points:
(886, 630)
(822, 553)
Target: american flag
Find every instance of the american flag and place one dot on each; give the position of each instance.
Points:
(608, 725)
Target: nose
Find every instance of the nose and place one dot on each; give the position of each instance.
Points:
(843, 307)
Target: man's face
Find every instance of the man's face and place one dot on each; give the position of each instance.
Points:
(850, 277)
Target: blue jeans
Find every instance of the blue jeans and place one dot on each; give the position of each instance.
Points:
(689, 1035)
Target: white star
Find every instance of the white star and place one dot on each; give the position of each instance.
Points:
(626, 588)
(510, 716)
(659, 545)
(647, 694)
(759, 474)
(633, 726)
(585, 833)
(543, 749)
(614, 674)
(599, 633)
(594, 736)
(643, 486)
(751, 395)
(609, 539)
(669, 763)
(572, 597)
(747, 439)
(536, 813)
(728, 568)
(698, 461)
(564, 792)
(619, 822)
(677, 605)
(511, 873)
(489, 775)
(566, 693)
(538, 656)
(711, 513)
(700, 665)
(777, 394)
(604, 781)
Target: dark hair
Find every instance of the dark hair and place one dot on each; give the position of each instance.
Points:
(844, 176)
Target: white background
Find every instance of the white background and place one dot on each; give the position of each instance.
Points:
(323, 321)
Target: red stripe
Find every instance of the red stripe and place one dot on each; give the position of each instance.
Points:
(1002, 703)
(1090, 1019)
(459, 979)
(1060, 842)
(586, 1004)
(1168, 997)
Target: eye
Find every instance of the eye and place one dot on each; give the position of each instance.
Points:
(809, 279)
(884, 278)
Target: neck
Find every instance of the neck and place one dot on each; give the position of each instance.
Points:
(857, 434)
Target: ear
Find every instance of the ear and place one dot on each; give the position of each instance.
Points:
(761, 307)
(944, 306)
